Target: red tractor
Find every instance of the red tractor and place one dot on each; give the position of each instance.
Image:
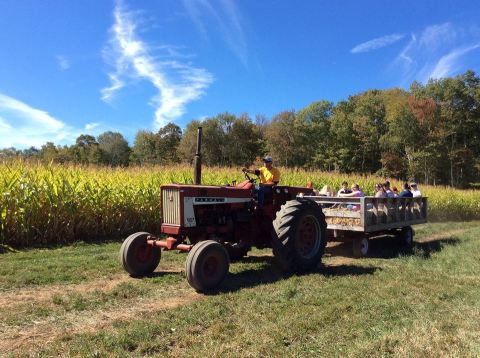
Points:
(217, 224)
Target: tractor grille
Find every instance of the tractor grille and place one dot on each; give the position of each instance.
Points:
(171, 206)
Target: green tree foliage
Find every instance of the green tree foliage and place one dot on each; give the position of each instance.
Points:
(114, 149)
(430, 133)
(157, 148)
(49, 152)
(187, 145)
(453, 128)
(167, 141)
(143, 151)
(344, 141)
(287, 139)
(226, 140)
(244, 142)
(315, 120)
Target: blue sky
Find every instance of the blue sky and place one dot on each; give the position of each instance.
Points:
(72, 67)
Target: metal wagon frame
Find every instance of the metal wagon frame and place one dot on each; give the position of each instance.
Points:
(356, 220)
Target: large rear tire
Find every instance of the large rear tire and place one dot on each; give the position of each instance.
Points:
(207, 265)
(137, 257)
(300, 235)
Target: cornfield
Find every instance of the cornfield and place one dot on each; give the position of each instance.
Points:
(54, 204)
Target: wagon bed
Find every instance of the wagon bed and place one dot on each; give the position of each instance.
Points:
(358, 219)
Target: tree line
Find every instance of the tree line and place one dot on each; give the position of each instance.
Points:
(430, 133)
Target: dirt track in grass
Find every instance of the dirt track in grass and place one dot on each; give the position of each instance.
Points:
(32, 335)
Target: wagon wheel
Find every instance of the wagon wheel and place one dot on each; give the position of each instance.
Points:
(406, 237)
(207, 265)
(300, 235)
(360, 247)
(137, 257)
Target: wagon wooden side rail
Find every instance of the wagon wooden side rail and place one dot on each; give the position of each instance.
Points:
(358, 219)
(371, 214)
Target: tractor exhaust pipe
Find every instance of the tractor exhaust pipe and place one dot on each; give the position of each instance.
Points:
(197, 174)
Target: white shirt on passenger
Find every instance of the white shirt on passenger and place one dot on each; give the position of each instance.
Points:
(416, 193)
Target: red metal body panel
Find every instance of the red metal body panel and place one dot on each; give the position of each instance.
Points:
(211, 191)
(255, 227)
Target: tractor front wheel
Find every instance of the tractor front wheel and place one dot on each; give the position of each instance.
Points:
(300, 235)
(207, 265)
(137, 257)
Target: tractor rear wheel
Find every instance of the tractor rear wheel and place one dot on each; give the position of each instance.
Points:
(137, 257)
(300, 235)
(207, 265)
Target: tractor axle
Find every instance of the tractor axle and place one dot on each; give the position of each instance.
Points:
(170, 243)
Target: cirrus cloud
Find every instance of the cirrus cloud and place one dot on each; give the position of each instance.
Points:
(438, 51)
(377, 43)
(177, 81)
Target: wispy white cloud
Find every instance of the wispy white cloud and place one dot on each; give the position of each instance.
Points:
(177, 82)
(22, 125)
(63, 63)
(377, 43)
(227, 20)
(438, 51)
(91, 126)
(449, 63)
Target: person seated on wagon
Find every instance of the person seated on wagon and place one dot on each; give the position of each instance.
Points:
(406, 193)
(415, 191)
(310, 186)
(326, 191)
(355, 193)
(395, 192)
(344, 189)
(388, 191)
(379, 191)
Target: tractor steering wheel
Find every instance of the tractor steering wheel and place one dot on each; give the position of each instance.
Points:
(251, 180)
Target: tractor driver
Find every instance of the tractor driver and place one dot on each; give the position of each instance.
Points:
(269, 176)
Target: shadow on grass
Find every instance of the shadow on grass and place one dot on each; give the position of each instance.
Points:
(269, 272)
(425, 249)
(157, 274)
(388, 247)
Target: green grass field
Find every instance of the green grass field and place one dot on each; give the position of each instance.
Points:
(77, 301)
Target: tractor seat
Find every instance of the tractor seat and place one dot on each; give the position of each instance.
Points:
(244, 185)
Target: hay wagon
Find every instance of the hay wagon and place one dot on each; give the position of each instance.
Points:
(357, 220)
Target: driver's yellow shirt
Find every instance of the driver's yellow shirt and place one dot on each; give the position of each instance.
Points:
(269, 176)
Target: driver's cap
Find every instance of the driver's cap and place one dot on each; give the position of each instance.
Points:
(267, 159)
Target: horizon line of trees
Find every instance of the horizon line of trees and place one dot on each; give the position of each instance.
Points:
(430, 133)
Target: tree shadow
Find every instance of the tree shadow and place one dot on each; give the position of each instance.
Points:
(269, 272)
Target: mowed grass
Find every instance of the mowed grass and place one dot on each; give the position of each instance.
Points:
(423, 303)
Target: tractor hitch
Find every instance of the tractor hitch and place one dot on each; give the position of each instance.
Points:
(170, 243)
